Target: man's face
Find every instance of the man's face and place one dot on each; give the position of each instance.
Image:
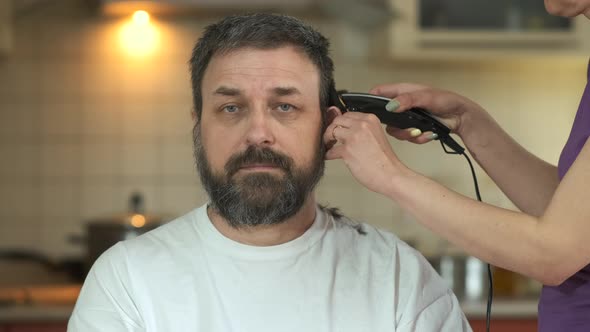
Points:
(258, 144)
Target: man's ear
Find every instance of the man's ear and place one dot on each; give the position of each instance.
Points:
(332, 113)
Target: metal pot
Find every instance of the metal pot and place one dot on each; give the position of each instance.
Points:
(467, 276)
(100, 234)
(29, 266)
(103, 233)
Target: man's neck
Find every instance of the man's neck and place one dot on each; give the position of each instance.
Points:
(268, 235)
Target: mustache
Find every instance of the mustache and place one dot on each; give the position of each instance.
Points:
(257, 155)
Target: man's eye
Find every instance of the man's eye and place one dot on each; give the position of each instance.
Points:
(285, 107)
(230, 108)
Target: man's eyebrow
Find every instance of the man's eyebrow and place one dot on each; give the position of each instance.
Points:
(227, 91)
(285, 91)
(279, 91)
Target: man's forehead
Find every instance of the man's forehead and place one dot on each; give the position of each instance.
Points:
(290, 50)
(284, 66)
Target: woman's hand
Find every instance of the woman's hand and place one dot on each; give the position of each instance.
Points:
(358, 139)
(450, 108)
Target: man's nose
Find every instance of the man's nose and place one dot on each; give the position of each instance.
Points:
(260, 127)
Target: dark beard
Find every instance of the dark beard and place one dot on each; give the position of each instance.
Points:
(260, 198)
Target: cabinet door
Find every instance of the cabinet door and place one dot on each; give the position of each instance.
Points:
(35, 327)
(505, 325)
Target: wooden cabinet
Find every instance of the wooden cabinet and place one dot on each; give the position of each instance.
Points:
(478, 325)
(34, 327)
(469, 30)
(505, 325)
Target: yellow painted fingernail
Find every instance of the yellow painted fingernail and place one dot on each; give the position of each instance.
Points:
(392, 105)
(415, 132)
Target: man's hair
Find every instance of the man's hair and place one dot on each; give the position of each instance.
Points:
(261, 31)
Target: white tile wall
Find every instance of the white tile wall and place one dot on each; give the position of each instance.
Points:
(82, 126)
(102, 117)
(101, 81)
(19, 78)
(61, 120)
(139, 159)
(18, 120)
(19, 202)
(20, 159)
(173, 80)
(63, 159)
(60, 81)
(98, 199)
(101, 159)
(59, 200)
(24, 235)
(138, 121)
(177, 159)
(174, 120)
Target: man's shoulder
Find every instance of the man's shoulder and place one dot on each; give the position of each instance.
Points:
(172, 237)
(363, 233)
(419, 284)
(178, 232)
(366, 240)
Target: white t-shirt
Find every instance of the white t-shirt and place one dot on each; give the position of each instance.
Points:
(338, 276)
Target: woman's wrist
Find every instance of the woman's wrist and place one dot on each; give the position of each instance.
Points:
(473, 122)
(400, 182)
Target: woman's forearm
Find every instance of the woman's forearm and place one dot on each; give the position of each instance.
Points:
(480, 228)
(548, 241)
(527, 181)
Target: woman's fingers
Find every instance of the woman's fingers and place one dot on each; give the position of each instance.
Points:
(411, 135)
(362, 145)
(403, 134)
(336, 152)
(394, 90)
(349, 120)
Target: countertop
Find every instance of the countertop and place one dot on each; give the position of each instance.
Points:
(55, 303)
(38, 303)
(35, 313)
(502, 308)
(515, 309)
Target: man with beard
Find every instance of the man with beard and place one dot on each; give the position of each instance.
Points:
(262, 255)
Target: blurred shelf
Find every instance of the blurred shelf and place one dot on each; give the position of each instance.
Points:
(502, 308)
(35, 313)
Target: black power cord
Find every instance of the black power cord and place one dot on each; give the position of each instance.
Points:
(477, 194)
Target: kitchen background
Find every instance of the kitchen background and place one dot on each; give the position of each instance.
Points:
(88, 117)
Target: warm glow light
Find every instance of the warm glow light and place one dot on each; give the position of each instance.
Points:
(141, 17)
(138, 220)
(139, 37)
